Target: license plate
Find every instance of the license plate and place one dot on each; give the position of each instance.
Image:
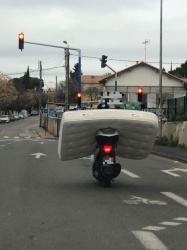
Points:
(108, 160)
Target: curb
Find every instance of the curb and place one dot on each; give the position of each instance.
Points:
(169, 157)
(44, 135)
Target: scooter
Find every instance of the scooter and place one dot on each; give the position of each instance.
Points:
(104, 167)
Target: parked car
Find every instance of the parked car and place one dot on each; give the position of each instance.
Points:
(21, 116)
(16, 116)
(34, 112)
(12, 118)
(4, 119)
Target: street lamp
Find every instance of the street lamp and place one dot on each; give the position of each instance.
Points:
(160, 75)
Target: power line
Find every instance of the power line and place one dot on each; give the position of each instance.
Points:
(92, 57)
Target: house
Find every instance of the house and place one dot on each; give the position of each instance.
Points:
(91, 87)
(146, 76)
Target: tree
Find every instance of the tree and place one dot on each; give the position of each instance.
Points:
(60, 93)
(73, 84)
(8, 93)
(26, 82)
(180, 71)
(92, 92)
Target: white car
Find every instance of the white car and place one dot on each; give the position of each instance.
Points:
(4, 119)
(21, 116)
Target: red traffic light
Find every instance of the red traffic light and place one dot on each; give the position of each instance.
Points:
(140, 93)
(79, 95)
(21, 41)
(140, 90)
(21, 36)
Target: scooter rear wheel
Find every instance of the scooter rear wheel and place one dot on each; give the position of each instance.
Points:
(107, 180)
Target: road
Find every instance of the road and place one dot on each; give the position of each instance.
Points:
(49, 204)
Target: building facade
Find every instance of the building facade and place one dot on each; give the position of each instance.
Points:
(146, 76)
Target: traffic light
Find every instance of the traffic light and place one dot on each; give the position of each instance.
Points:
(21, 41)
(79, 99)
(103, 61)
(140, 92)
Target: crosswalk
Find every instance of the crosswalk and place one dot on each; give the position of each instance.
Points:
(18, 137)
(146, 235)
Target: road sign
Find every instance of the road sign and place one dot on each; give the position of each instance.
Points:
(45, 111)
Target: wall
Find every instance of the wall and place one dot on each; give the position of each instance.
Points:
(177, 130)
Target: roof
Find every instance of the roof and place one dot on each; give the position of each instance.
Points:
(138, 64)
(92, 79)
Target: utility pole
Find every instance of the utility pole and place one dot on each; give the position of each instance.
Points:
(160, 76)
(145, 42)
(67, 79)
(40, 92)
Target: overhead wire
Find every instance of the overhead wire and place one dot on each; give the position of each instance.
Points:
(91, 57)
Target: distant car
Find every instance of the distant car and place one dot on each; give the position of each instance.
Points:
(4, 119)
(12, 118)
(34, 112)
(16, 116)
(21, 116)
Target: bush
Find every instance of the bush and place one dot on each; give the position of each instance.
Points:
(162, 141)
(181, 145)
(180, 118)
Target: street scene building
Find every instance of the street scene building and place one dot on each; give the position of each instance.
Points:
(146, 76)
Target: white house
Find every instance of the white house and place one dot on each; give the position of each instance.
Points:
(146, 76)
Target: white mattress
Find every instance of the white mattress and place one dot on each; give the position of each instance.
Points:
(137, 132)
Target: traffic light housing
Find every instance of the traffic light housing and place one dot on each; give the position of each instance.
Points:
(79, 99)
(21, 41)
(140, 93)
(103, 61)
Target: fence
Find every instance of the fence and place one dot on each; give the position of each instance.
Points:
(176, 107)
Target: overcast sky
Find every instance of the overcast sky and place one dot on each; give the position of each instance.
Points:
(116, 28)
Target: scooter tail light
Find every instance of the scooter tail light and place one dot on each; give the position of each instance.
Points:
(107, 148)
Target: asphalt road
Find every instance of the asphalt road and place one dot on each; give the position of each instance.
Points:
(53, 205)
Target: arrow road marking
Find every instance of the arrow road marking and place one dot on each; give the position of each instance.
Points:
(170, 171)
(38, 155)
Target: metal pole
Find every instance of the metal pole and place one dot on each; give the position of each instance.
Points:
(67, 79)
(40, 94)
(160, 75)
(116, 76)
(79, 71)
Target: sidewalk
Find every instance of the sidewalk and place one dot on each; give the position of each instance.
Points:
(44, 134)
(174, 153)
(178, 154)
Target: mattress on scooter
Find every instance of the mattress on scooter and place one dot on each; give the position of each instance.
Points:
(137, 132)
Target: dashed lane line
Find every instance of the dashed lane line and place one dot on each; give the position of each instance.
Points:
(130, 173)
(176, 198)
(149, 240)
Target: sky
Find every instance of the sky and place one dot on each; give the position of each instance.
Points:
(124, 30)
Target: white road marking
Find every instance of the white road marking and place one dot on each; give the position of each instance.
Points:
(181, 219)
(149, 240)
(5, 137)
(130, 173)
(154, 228)
(170, 171)
(16, 137)
(86, 158)
(170, 223)
(2, 145)
(38, 155)
(176, 198)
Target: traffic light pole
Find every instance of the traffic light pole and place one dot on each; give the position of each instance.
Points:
(115, 76)
(69, 48)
